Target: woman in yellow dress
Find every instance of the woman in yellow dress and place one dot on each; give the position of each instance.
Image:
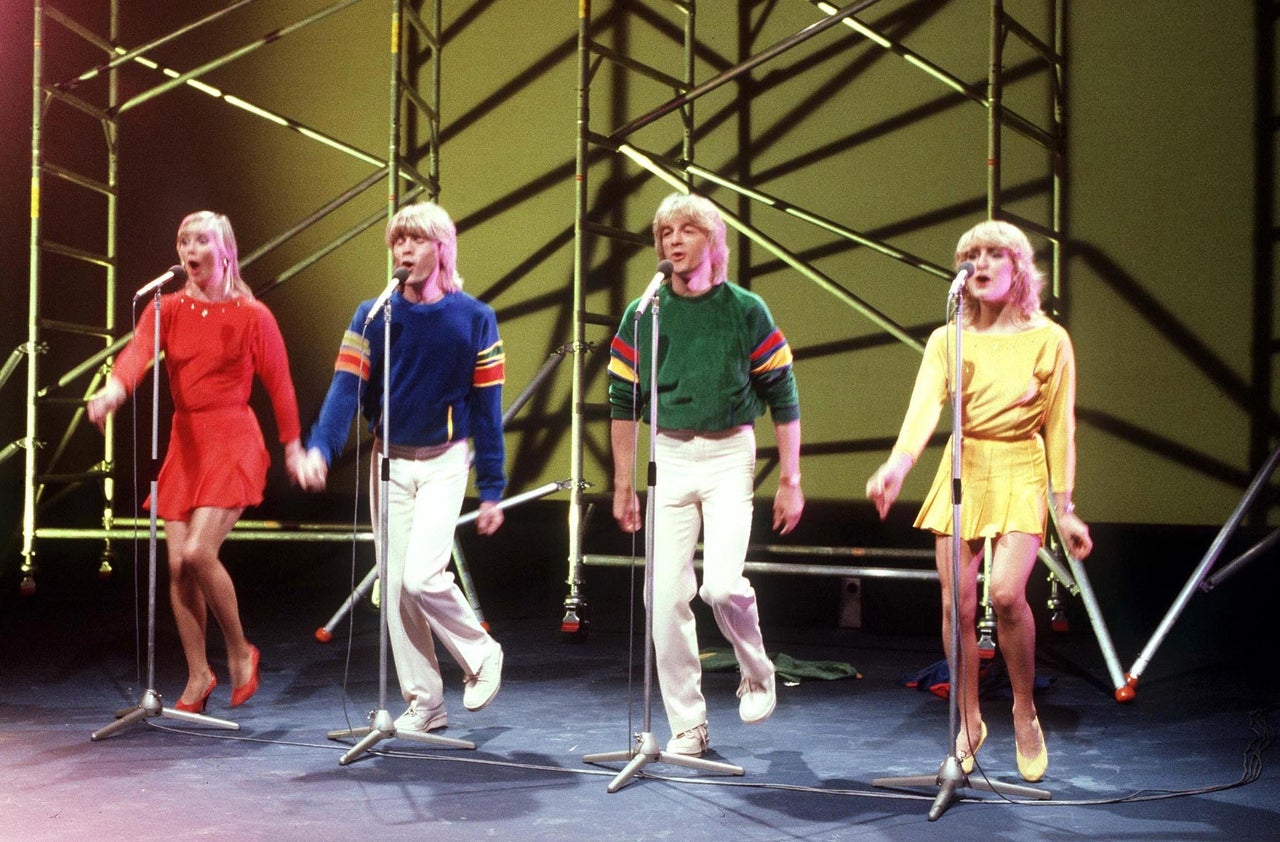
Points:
(1018, 426)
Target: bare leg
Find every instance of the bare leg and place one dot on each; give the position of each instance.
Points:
(1015, 557)
(190, 614)
(965, 682)
(200, 584)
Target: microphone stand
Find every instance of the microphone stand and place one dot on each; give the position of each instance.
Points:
(646, 750)
(951, 776)
(151, 704)
(381, 724)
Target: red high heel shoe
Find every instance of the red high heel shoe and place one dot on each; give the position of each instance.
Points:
(244, 692)
(198, 707)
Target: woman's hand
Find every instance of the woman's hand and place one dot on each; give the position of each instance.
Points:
(307, 470)
(105, 402)
(885, 484)
(1075, 533)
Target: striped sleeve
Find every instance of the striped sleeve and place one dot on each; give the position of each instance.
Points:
(772, 373)
(773, 354)
(622, 360)
(353, 355)
(491, 364)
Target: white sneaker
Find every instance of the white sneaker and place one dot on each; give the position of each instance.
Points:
(692, 743)
(422, 720)
(479, 689)
(759, 698)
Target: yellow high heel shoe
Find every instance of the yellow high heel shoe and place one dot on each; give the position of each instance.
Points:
(966, 762)
(1032, 769)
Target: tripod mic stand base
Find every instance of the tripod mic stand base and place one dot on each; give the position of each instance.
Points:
(647, 752)
(951, 777)
(150, 706)
(383, 727)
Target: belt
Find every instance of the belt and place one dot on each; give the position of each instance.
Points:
(688, 435)
(407, 451)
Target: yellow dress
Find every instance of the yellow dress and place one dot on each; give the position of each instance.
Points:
(1018, 420)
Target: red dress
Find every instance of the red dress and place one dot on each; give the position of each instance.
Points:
(212, 350)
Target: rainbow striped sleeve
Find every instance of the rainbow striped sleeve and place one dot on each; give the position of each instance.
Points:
(622, 360)
(353, 355)
(773, 354)
(491, 367)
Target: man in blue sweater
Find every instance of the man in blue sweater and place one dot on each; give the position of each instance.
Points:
(446, 373)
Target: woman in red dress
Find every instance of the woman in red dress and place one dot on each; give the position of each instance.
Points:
(215, 337)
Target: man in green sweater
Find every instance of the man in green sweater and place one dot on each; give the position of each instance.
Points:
(721, 362)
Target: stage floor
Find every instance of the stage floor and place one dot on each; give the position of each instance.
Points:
(1159, 768)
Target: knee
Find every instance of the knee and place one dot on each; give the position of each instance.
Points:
(1008, 603)
(191, 557)
(416, 587)
(718, 593)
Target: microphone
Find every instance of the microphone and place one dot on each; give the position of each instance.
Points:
(175, 273)
(664, 271)
(397, 278)
(963, 273)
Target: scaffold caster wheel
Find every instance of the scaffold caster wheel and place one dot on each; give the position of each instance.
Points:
(575, 626)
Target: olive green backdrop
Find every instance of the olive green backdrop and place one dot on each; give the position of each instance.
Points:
(1161, 174)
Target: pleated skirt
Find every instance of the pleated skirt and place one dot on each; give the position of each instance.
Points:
(1004, 487)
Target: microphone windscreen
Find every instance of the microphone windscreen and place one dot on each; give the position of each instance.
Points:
(401, 275)
(665, 268)
(179, 274)
(967, 268)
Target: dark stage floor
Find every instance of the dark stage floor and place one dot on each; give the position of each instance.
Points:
(1159, 768)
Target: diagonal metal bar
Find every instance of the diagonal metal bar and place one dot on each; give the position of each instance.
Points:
(227, 58)
(124, 56)
(732, 73)
(822, 222)
(782, 253)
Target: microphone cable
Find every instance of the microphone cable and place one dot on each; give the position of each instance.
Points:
(360, 387)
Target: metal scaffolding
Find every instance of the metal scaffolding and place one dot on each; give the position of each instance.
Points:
(55, 400)
(601, 245)
(609, 163)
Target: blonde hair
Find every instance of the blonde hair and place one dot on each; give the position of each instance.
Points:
(224, 244)
(1028, 282)
(427, 219)
(680, 208)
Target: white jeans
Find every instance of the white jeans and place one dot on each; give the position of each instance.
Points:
(424, 500)
(703, 482)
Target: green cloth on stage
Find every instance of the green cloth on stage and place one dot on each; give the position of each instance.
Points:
(789, 670)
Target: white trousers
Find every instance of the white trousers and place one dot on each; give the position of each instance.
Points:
(424, 498)
(702, 483)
